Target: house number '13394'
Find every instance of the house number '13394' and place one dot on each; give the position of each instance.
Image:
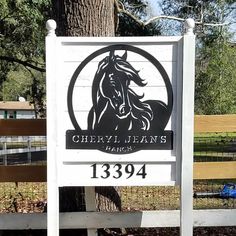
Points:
(116, 171)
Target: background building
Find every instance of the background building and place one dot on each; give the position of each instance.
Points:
(16, 110)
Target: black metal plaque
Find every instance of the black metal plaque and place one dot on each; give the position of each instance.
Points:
(120, 121)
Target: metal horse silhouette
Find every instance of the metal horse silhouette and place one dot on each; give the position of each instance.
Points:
(116, 107)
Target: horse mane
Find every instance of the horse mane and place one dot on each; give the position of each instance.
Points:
(120, 64)
(141, 112)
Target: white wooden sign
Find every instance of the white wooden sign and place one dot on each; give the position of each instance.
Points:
(116, 111)
(119, 110)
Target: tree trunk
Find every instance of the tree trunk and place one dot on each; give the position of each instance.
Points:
(84, 17)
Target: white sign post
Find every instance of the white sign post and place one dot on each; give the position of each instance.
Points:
(186, 205)
(120, 113)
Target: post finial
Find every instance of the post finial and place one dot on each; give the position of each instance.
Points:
(189, 26)
(51, 25)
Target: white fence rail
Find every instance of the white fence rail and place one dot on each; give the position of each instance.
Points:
(74, 220)
(22, 150)
(26, 141)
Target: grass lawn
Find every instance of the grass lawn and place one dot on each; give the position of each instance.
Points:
(31, 197)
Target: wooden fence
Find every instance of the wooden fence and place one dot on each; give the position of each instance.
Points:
(215, 170)
(23, 173)
(202, 170)
(165, 218)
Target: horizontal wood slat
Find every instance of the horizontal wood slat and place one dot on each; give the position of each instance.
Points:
(215, 123)
(201, 170)
(22, 127)
(203, 123)
(23, 173)
(214, 170)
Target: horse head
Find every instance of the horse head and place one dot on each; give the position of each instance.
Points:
(113, 99)
(114, 84)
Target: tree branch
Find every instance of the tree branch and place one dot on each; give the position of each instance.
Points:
(24, 63)
(121, 9)
(163, 17)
